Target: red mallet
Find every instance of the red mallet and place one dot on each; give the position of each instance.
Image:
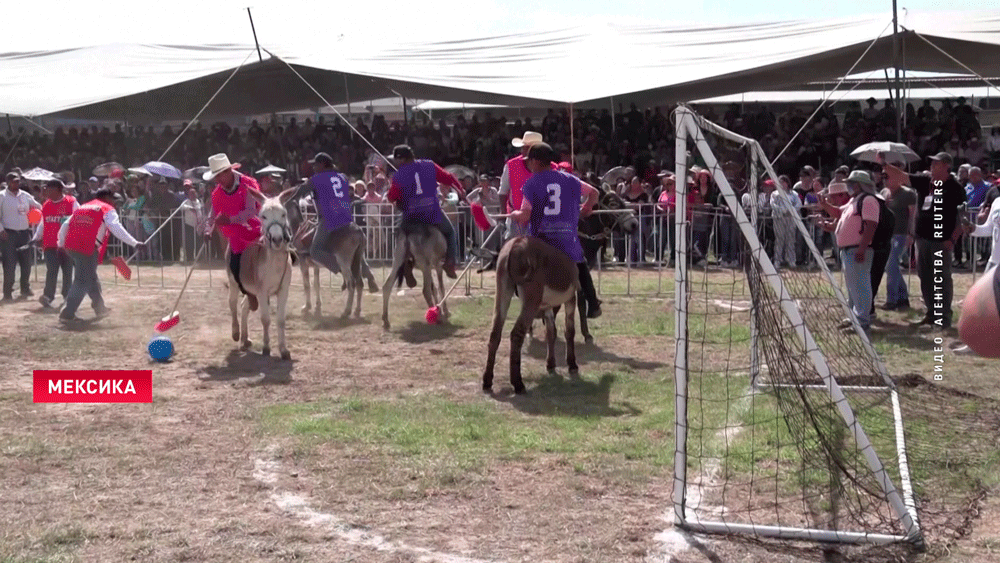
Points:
(482, 219)
(433, 315)
(173, 319)
(122, 266)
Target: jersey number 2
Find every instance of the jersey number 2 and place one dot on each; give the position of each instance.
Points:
(337, 187)
(554, 205)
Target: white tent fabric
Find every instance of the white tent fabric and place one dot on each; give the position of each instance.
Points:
(583, 65)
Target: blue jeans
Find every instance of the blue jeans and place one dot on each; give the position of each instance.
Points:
(858, 279)
(85, 283)
(896, 291)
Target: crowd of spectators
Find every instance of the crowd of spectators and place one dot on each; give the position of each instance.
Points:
(639, 139)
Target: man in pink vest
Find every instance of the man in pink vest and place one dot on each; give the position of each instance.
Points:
(88, 228)
(515, 173)
(235, 212)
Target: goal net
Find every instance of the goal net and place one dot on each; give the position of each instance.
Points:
(787, 423)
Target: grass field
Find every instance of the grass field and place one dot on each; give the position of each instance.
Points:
(373, 446)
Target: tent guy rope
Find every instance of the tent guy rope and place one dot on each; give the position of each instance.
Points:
(822, 103)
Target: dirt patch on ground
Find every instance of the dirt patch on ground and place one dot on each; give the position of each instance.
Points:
(193, 477)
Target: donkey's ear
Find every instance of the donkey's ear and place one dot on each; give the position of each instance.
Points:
(257, 195)
(286, 195)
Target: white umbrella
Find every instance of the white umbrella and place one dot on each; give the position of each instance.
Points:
(38, 175)
(270, 169)
(894, 152)
(140, 171)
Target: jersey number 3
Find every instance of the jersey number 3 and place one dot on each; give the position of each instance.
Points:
(554, 205)
(337, 187)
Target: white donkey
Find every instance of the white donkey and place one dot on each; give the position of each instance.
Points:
(266, 270)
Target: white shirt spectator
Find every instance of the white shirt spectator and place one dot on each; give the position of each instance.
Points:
(194, 213)
(785, 204)
(14, 209)
(111, 223)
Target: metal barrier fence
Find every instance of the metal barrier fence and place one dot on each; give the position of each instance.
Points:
(628, 264)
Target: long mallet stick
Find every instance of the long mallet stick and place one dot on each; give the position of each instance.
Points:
(171, 320)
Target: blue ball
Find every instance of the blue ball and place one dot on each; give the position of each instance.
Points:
(160, 348)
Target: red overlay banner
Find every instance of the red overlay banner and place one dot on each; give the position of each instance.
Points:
(93, 386)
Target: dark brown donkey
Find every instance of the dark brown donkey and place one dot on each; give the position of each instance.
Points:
(545, 279)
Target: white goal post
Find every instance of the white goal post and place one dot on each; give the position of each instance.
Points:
(800, 390)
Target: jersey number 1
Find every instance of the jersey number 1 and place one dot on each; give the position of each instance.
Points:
(419, 190)
(554, 206)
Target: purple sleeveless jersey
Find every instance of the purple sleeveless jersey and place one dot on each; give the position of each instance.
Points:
(555, 210)
(418, 185)
(333, 199)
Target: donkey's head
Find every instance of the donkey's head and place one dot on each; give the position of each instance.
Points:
(622, 221)
(276, 231)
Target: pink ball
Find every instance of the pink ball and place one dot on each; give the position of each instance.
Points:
(432, 315)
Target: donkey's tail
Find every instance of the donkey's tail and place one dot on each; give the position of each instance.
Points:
(521, 264)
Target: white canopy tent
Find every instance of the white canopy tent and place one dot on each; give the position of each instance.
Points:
(582, 65)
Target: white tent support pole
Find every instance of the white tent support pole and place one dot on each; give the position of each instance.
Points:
(754, 299)
(11, 151)
(572, 138)
(329, 105)
(204, 107)
(680, 340)
(347, 94)
(835, 88)
(791, 311)
(254, 29)
(958, 62)
(39, 125)
(788, 533)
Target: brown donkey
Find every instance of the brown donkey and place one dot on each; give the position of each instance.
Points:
(544, 279)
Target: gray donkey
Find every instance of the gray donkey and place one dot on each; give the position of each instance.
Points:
(346, 244)
(422, 247)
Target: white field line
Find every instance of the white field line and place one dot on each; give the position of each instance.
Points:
(673, 541)
(267, 469)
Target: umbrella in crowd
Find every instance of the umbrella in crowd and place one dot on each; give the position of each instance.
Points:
(270, 169)
(894, 152)
(459, 171)
(163, 169)
(195, 174)
(108, 169)
(38, 175)
(140, 171)
(616, 175)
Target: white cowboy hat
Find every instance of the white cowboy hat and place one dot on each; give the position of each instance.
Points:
(529, 138)
(218, 163)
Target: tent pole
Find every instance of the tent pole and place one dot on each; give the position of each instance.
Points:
(252, 28)
(572, 138)
(347, 94)
(895, 63)
(614, 127)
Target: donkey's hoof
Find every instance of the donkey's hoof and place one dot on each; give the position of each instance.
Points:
(236, 336)
(246, 345)
(574, 372)
(306, 309)
(286, 355)
(588, 339)
(265, 351)
(520, 390)
(552, 371)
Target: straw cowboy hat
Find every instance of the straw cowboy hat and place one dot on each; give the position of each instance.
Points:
(217, 164)
(529, 138)
(836, 188)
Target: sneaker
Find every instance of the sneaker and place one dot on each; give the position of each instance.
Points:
(102, 312)
(7, 298)
(926, 321)
(73, 319)
(846, 323)
(27, 293)
(45, 301)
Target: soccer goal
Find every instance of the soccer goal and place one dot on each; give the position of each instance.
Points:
(787, 422)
